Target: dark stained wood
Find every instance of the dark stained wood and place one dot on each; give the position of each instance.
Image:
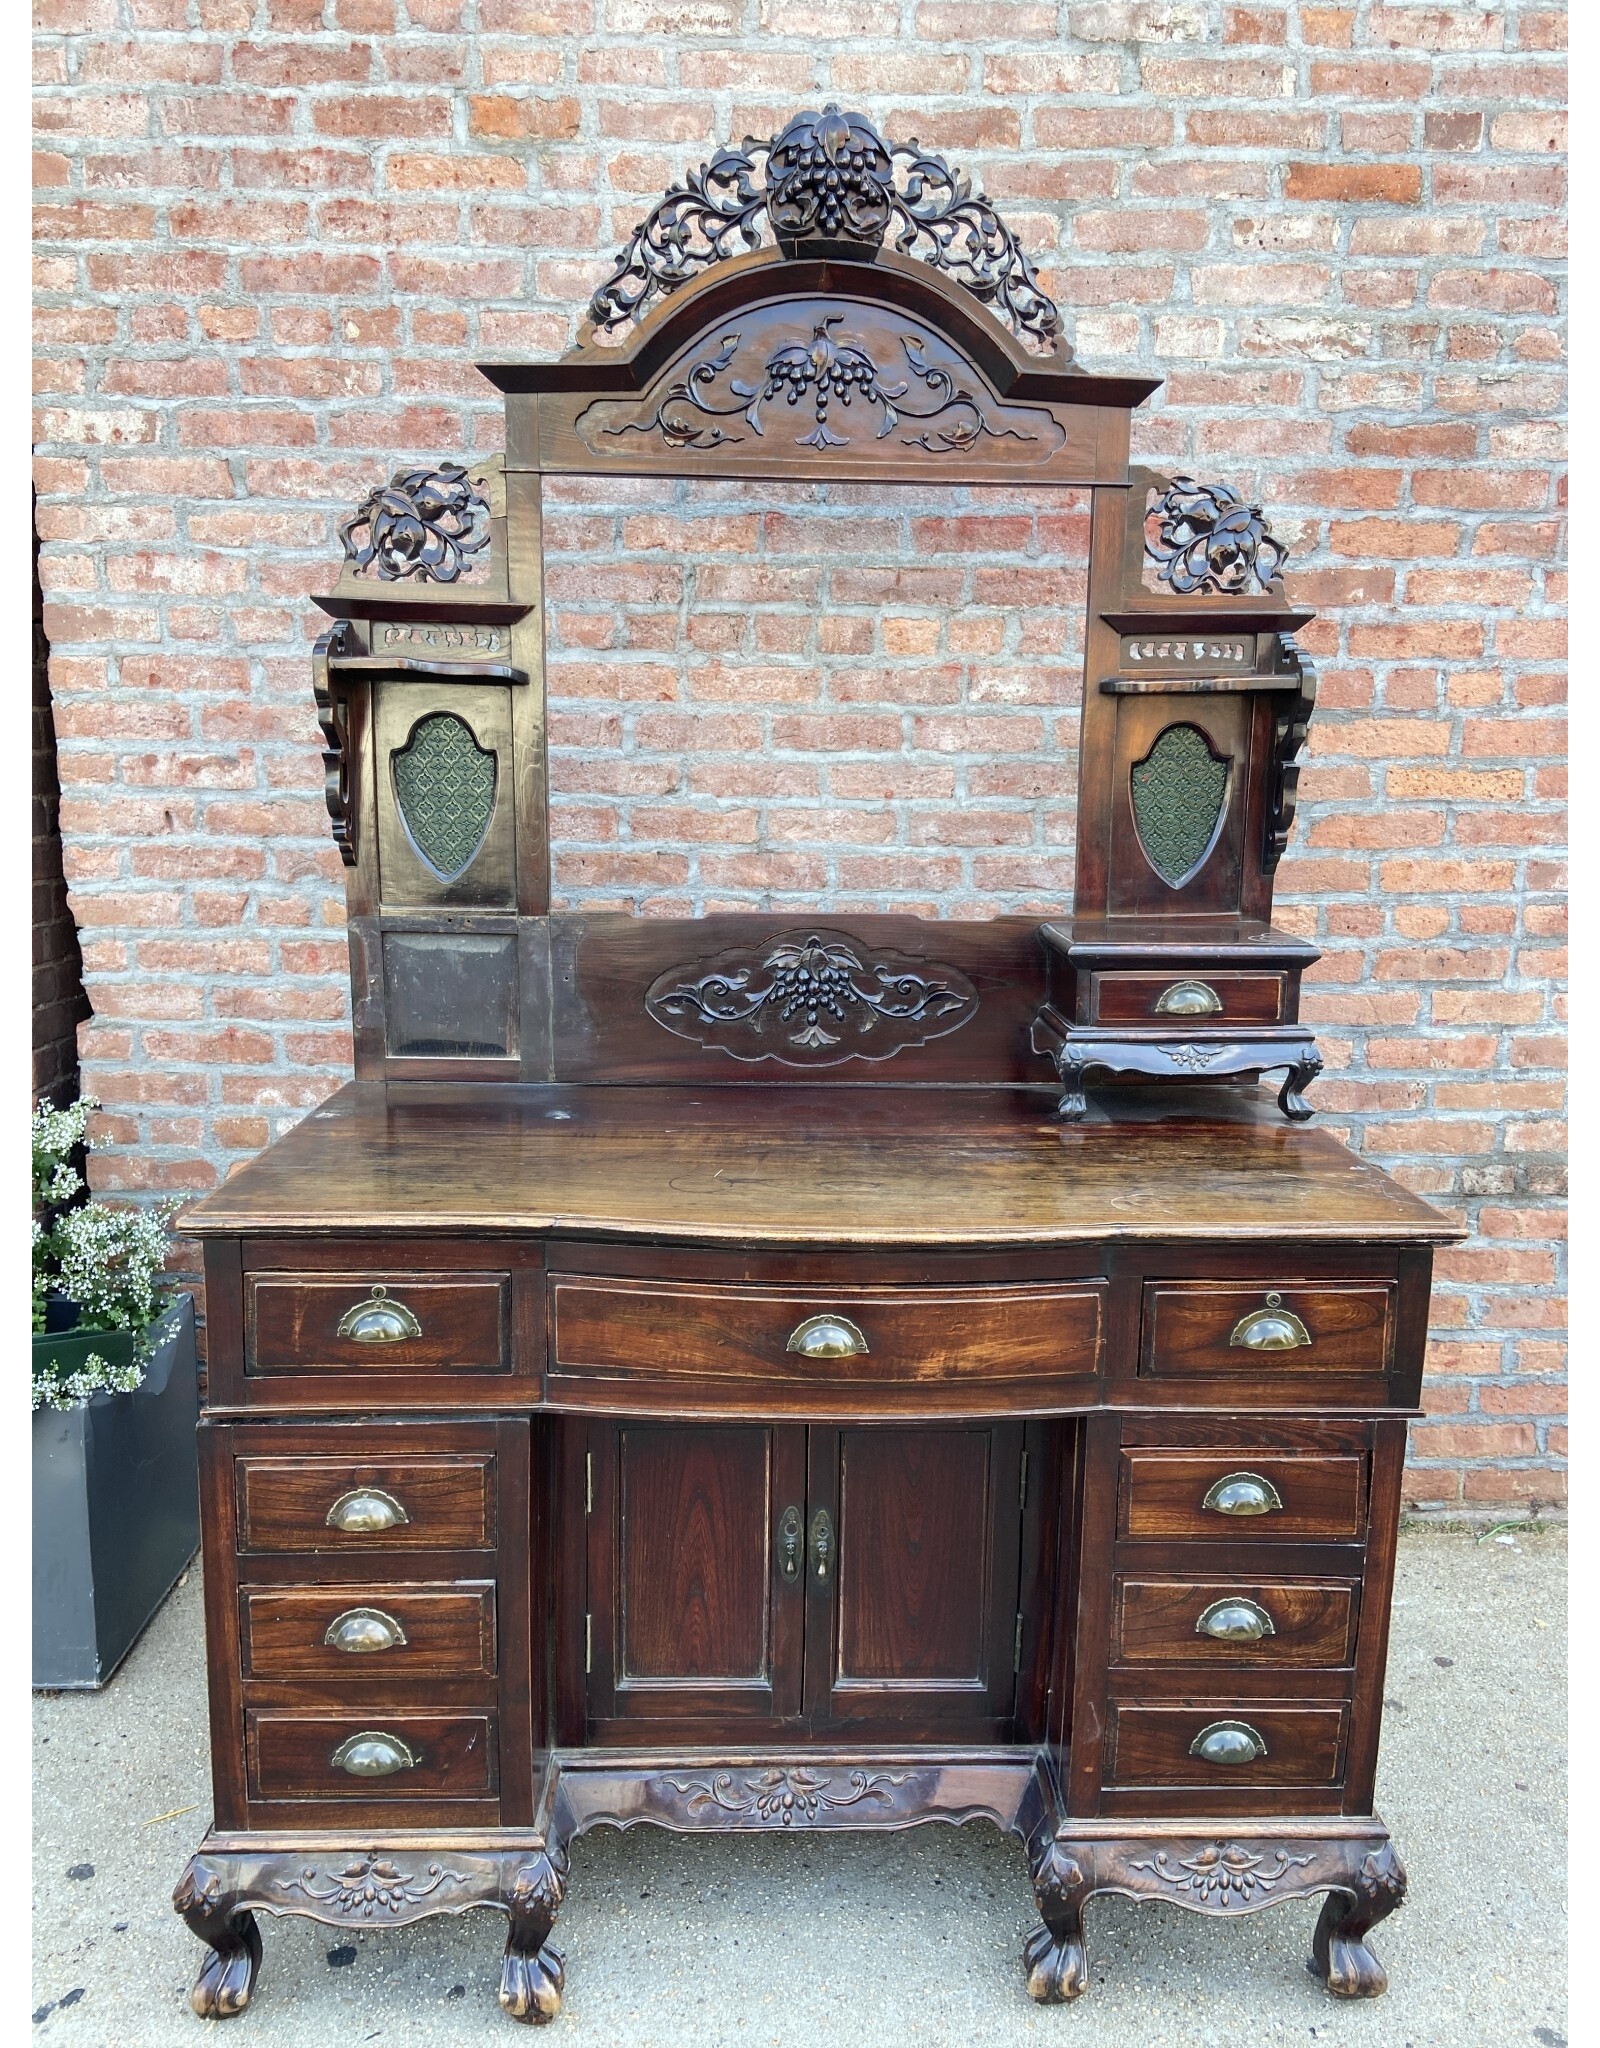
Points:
(1136, 998)
(1163, 1495)
(1312, 1622)
(284, 1503)
(1189, 1326)
(439, 1631)
(292, 1323)
(786, 1166)
(290, 1755)
(1150, 1745)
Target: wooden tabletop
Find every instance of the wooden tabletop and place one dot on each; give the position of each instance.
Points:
(810, 1166)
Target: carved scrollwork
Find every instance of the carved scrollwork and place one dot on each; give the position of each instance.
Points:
(370, 1886)
(426, 523)
(784, 1796)
(812, 997)
(1289, 729)
(698, 409)
(1222, 1873)
(338, 760)
(1205, 541)
(829, 177)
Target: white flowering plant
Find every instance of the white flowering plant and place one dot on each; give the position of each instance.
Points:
(106, 1259)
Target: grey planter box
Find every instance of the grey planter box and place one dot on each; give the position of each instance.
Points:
(116, 1512)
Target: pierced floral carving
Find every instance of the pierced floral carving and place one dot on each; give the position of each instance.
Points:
(1206, 541)
(834, 372)
(370, 1886)
(810, 998)
(1223, 1873)
(829, 177)
(425, 523)
(784, 1796)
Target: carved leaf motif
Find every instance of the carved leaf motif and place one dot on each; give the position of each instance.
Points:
(369, 1886)
(810, 997)
(424, 523)
(784, 1796)
(829, 177)
(1222, 1873)
(1206, 541)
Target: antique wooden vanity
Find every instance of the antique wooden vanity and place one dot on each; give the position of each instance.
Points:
(728, 1373)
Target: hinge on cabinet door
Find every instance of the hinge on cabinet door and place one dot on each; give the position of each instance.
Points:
(1016, 1650)
(588, 1644)
(1022, 1490)
(588, 1482)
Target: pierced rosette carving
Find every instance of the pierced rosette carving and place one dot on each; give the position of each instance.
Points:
(812, 998)
(1206, 541)
(426, 523)
(829, 177)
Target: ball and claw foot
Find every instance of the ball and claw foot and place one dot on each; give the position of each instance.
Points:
(1058, 1971)
(1339, 1952)
(1058, 1966)
(532, 1977)
(531, 1985)
(228, 1974)
(1073, 1102)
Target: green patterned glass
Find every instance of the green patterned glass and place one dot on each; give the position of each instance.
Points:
(1179, 789)
(444, 784)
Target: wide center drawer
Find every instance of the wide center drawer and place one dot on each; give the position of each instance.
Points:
(347, 1505)
(1247, 1494)
(650, 1329)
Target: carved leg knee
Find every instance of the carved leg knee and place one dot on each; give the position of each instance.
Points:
(1340, 1955)
(1058, 1966)
(210, 1909)
(532, 1977)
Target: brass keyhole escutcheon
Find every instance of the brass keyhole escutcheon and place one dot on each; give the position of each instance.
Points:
(822, 1546)
(791, 1541)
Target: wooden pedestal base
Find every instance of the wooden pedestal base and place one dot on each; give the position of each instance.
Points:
(396, 1879)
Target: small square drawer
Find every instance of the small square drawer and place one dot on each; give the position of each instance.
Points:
(388, 1322)
(357, 1632)
(1214, 1743)
(1293, 1496)
(374, 1755)
(1240, 1624)
(1220, 1329)
(1189, 999)
(345, 1505)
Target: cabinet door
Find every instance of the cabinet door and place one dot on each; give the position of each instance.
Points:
(696, 1581)
(911, 1626)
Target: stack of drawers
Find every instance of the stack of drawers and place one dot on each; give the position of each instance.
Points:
(357, 1569)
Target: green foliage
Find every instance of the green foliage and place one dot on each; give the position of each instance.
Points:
(105, 1257)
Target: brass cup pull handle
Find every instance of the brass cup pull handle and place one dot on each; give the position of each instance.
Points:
(366, 1511)
(1243, 1493)
(380, 1319)
(1189, 999)
(791, 1541)
(373, 1754)
(1235, 1620)
(1229, 1742)
(822, 1546)
(1273, 1328)
(827, 1337)
(360, 1631)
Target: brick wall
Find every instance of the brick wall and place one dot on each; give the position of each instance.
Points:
(274, 234)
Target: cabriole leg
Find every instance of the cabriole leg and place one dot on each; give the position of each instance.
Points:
(210, 1908)
(1339, 1951)
(1058, 1967)
(532, 1977)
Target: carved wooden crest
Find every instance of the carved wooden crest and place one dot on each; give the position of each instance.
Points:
(812, 998)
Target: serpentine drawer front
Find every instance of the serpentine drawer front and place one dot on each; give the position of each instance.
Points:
(1195, 999)
(1226, 1328)
(650, 1329)
(374, 1753)
(1235, 1624)
(357, 1634)
(1248, 1495)
(389, 1322)
(1231, 1745)
(332, 1504)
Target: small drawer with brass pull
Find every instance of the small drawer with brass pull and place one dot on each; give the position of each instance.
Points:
(1233, 1329)
(301, 1753)
(738, 1341)
(330, 1322)
(1221, 1742)
(1289, 1496)
(1247, 1624)
(395, 1503)
(1198, 998)
(373, 1632)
